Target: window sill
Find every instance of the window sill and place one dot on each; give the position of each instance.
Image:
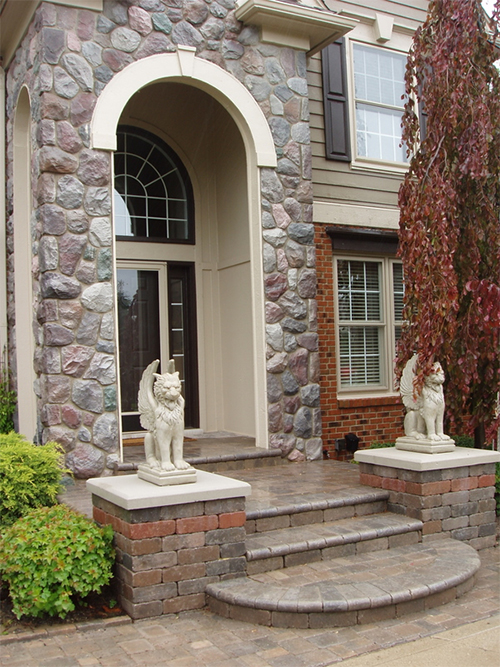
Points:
(369, 166)
(368, 401)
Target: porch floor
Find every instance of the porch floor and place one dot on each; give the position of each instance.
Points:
(272, 486)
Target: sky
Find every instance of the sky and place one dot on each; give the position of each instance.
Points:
(488, 5)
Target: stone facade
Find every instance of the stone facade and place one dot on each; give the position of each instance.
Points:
(67, 57)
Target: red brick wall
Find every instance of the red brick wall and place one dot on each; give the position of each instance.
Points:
(371, 419)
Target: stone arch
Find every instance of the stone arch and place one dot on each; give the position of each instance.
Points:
(25, 345)
(186, 67)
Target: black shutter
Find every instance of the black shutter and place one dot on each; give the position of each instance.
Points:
(335, 101)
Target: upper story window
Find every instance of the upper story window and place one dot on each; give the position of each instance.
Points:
(153, 196)
(379, 89)
(363, 88)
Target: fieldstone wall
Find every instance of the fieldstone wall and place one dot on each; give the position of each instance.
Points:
(66, 59)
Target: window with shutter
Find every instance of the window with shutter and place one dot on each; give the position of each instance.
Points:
(377, 88)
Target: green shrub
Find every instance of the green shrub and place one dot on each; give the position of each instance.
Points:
(51, 557)
(381, 445)
(8, 401)
(463, 440)
(30, 476)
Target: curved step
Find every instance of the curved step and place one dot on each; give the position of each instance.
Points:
(348, 591)
(319, 502)
(321, 541)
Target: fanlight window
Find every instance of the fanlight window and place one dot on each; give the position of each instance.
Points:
(153, 196)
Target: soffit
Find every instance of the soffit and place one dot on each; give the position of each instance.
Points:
(296, 25)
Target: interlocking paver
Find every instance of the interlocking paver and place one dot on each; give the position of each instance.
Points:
(231, 643)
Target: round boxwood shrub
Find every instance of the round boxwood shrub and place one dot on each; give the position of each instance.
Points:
(30, 476)
(53, 556)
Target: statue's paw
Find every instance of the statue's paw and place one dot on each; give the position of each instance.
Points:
(434, 437)
(180, 464)
(166, 465)
(419, 436)
(153, 463)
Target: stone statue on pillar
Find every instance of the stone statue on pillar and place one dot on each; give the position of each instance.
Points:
(161, 408)
(424, 417)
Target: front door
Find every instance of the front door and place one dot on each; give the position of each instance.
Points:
(154, 228)
(156, 321)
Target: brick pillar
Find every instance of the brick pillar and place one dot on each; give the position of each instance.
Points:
(168, 553)
(451, 493)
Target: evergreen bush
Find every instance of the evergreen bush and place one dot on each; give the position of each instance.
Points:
(53, 556)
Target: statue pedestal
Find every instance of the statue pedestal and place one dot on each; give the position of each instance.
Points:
(171, 541)
(424, 445)
(452, 493)
(165, 477)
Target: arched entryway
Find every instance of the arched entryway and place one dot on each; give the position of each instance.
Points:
(23, 291)
(218, 134)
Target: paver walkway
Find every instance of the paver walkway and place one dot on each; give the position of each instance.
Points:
(199, 638)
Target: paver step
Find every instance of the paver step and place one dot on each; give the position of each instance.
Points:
(346, 591)
(212, 462)
(316, 508)
(288, 547)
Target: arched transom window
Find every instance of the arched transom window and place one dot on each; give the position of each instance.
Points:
(153, 195)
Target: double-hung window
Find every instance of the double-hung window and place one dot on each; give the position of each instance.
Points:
(369, 304)
(378, 90)
(363, 89)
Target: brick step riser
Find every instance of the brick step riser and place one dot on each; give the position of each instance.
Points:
(361, 546)
(324, 619)
(298, 518)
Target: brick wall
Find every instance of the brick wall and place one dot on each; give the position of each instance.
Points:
(453, 502)
(167, 555)
(371, 419)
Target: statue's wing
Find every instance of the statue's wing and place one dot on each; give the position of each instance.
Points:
(146, 399)
(406, 386)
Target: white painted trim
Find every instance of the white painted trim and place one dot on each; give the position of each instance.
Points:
(352, 215)
(218, 83)
(3, 251)
(23, 289)
(300, 26)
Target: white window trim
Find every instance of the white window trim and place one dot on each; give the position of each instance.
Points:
(361, 163)
(388, 348)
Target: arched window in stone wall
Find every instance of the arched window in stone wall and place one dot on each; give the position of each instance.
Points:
(153, 193)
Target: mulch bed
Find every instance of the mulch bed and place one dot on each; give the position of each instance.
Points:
(95, 606)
